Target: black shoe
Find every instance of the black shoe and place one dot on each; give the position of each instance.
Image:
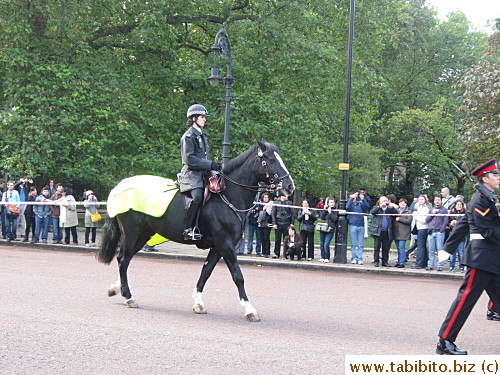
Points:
(149, 249)
(275, 256)
(386, 265)
(439, 269)
(266, 256)
(493, 315)
(429, 268)
(35, 241)
(415, 267)
(375, 264)
(449, 348)
(26, 240)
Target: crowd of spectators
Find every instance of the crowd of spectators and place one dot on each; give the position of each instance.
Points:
(418, 229)
(54, 209)
(424, 226)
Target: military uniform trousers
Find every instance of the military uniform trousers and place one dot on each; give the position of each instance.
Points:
(475, 282)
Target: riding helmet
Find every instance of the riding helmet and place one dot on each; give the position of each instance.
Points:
(196, 109)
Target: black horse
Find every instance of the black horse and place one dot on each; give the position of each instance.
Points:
(221, 221)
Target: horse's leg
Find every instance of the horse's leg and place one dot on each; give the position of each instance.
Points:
(132, 241)
(209, 265)
(233, 266)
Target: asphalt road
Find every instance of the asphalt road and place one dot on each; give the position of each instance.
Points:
(56, 318)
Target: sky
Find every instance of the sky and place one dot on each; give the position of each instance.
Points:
(476, 11)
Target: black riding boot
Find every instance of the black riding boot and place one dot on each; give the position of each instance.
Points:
(191, 232)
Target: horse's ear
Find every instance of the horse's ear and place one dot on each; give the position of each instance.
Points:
(262, 146)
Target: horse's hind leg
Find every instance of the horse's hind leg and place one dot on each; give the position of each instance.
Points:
(133, 240)
(233, 266)
(209, 265)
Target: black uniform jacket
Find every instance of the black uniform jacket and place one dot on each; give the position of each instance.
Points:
(195, 159)
(482, 220)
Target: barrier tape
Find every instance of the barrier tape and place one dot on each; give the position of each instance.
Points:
(51, 203)
(354, 213)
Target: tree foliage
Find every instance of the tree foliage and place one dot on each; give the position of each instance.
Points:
(480, 89)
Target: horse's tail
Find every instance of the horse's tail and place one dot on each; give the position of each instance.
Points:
(110, 239)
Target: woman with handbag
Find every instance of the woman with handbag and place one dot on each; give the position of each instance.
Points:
(90, 223)
(327, 229)
(265, 224)
(306, 219)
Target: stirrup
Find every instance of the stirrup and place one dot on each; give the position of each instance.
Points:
(192, 234)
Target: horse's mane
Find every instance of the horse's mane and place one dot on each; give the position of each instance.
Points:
(251, 152)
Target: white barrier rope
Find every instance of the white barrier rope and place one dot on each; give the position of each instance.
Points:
(52, 203)
(353, 213)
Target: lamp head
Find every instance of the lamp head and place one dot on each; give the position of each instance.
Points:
(214, 76)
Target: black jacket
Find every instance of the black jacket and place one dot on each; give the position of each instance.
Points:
(331, 218)
(283, 215)
(376, 227)
(481, 220)
(195, 155)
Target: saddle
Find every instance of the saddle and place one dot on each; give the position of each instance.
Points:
(214, 183)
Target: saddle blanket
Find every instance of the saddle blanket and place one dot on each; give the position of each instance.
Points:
(150, 195)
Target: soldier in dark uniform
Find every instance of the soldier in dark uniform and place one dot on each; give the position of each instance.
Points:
(482, 256)
(196, 161)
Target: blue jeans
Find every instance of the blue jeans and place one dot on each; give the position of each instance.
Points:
(4, 223)
(357, 242)
(400, 244)
(57, 230)
(422, 248)
(436, 243)
(324, 244)
(258, 246)
(460, 252)
(11, 228)
(41, 223)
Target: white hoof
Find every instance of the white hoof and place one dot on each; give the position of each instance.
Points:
(199, 309)
(253, 317)
(131, 302)
(250, 312)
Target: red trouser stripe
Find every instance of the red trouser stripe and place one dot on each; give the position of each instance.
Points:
(461, 303)
(491, 305)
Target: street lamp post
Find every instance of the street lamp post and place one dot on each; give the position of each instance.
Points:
(341, 239)
(222, 46)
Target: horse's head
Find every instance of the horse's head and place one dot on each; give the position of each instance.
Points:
(272, 169)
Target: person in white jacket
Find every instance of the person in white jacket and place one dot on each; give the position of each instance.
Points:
(419, 221)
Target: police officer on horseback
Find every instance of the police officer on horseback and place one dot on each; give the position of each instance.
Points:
(196, 161)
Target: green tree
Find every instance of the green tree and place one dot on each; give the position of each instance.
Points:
(480, 89)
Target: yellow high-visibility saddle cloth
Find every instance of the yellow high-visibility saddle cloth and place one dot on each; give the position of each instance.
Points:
(150, 195)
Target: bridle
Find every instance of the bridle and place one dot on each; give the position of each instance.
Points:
(271, 175)
(275, 181)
